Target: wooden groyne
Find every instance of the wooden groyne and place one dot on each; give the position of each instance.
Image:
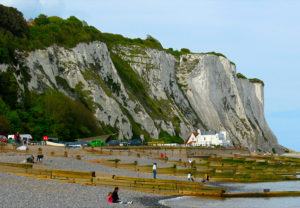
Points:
(168, 187)
(27, 169)
(161, 186)
(263, 194)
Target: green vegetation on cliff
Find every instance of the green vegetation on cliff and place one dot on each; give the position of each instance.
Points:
(256, 80)
(241, 76)
(167, 138)
(46, 31)
(53, 114)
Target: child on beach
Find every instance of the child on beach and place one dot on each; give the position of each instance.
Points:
(109, 198)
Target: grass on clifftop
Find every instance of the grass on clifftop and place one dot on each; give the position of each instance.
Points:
(256, 80)
(241, 76)
(253, 80)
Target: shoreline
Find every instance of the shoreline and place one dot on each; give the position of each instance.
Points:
(163, 202)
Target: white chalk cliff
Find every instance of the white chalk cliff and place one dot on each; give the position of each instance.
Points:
(182, 93)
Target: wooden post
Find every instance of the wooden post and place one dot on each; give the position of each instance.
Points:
(135, 165)
(65, 154)
(116, 162)
(52, 153)
(40, 151)
(78, 157)
(175, 169)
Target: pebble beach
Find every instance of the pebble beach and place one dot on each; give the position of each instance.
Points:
(20, 191)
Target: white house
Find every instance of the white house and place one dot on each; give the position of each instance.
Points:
(207, 138)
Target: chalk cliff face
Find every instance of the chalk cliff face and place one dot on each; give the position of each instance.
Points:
(180, 94)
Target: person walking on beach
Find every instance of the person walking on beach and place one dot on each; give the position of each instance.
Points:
(154, 170)
(189, 177)
(116, 199)
(191, 163)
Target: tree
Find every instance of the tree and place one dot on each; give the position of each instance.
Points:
(12, 20)
(5, 127)
(185, 50)
(41, 20)
(9, 88)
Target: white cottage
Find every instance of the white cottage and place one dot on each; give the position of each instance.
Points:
(207, 138)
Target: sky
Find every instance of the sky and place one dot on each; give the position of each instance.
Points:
(261, 36)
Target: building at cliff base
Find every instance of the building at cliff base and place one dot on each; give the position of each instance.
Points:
(208, 138)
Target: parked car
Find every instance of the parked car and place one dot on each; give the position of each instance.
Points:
(85, 144)
(124, 144)
(3, 139)
(73, 144)
(97, 143)
(113, 143)
(135, 142)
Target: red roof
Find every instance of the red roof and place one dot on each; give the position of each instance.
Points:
(31, 23)
(195, 134)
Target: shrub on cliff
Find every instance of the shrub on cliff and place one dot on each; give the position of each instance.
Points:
(241, 76)
(185, 50)
(256, 80)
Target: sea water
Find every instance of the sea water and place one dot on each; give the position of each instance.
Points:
(268, 202)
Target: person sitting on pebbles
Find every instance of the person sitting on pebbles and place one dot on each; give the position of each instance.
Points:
(109, 198)
(30, 159)
(116, 199)
(205, 178)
